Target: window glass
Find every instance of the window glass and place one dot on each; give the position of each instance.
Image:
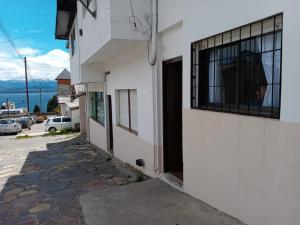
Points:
(98, 107)
(241, 76)
(66, 119)
(57, 120)
(3, 122)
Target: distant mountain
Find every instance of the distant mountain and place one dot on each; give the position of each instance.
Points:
(19, 86)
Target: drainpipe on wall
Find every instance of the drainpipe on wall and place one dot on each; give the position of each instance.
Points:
(87, 114)
(152, 62)
(154, 33)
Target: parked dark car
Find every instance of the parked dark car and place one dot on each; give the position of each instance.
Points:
(24, 122)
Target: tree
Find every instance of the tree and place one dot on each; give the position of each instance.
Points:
(36, 109)
(52, 105)
(3, 107)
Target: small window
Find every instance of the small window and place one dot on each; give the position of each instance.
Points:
(66, 119)
(128, 110)
(239, 71)
(57, 120)
(98, 109)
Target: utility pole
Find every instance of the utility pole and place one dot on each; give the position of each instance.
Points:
(41, 100)
(7, 107)
(27, 94)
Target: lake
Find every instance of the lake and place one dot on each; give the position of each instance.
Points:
(34, 99)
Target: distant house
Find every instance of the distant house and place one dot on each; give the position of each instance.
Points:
(64, 87)
(64, 93)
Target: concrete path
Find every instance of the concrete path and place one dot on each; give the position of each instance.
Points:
(148, 203)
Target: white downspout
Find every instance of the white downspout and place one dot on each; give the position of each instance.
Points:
(152, 62)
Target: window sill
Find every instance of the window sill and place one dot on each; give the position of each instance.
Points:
(261, 115)
(129, 130)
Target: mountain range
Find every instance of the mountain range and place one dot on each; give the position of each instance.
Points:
(19, 86)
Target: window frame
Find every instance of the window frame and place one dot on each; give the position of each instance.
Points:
(195, 69)
(129, 128)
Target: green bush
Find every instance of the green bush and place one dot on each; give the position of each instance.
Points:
(61, 132)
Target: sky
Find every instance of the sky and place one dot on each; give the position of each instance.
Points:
(31, 24)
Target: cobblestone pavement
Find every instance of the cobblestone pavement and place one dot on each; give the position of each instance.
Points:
(41, 179)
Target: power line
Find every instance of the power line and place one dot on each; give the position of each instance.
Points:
(23, 37)
(10, 41)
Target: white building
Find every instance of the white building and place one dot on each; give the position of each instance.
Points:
(219, 108)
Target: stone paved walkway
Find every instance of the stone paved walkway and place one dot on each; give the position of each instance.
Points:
(45, 188)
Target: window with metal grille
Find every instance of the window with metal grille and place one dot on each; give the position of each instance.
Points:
(98, 109)
(239, 71)
(128, 110)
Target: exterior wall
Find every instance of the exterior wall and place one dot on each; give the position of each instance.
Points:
(75, 115)
(64, 89)
(132, 71)
(97, 135)
(245, 166)
(112, 22)
(65, 82)
(64, 110)
(82, 102)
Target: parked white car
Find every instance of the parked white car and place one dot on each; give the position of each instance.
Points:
(9, 126)
(58, 123)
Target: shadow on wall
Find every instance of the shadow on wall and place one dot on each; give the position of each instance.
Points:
(47, 188)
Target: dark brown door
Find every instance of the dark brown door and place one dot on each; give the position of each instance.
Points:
(111, 137)
(172, 106)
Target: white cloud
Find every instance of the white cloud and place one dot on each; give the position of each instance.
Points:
(41, 66)
(29, 51)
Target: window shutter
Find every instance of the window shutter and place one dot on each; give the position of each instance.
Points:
(133, 110)
(123, 108)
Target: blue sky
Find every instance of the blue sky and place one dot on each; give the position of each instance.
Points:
(31, 17)
(31, 23)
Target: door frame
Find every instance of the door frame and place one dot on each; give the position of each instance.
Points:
(110, 123)
(164, 115)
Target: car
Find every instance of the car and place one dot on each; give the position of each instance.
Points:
(10, 126)
(24, 122)
(58, 123)
(33, 119)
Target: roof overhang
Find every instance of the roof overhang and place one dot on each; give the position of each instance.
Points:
(65, 15)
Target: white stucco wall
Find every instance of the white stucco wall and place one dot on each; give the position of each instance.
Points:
(245, 166)
(97, 134)
(112, 22)
(132, 71)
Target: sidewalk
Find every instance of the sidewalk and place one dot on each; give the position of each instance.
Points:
(148, 203)
(36, 130)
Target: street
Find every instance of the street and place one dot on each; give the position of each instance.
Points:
(42, 177)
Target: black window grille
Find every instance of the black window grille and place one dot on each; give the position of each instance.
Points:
(239, 71)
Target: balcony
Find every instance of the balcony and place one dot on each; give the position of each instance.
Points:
(112, 30)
